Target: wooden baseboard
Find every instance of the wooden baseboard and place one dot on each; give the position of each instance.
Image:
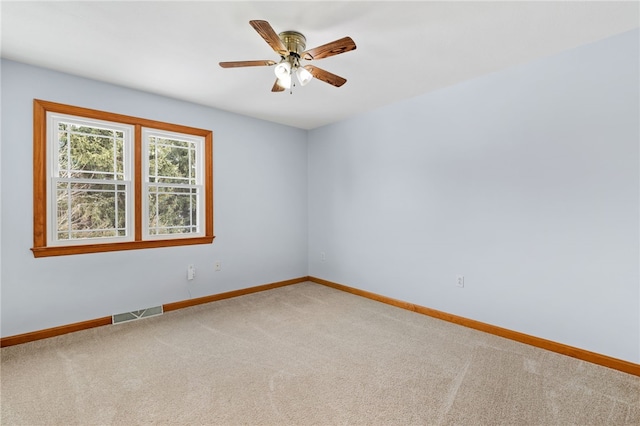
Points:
(98, 322)
(582, 354)
(52, 332)
(235, 293)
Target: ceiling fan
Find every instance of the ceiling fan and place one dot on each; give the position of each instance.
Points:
(290, 45)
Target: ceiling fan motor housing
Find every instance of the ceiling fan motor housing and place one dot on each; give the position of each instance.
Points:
(293, 41)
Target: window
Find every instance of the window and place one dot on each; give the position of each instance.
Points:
(106, 182)
(173, 184)
(90, 181)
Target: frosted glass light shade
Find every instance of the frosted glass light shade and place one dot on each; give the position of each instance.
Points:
(283, 69)
(285, 81)
(303, 75)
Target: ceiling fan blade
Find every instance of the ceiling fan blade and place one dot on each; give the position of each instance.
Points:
(276, 87)
(326, 76)
(270, 36)
(337, 47)
(247, 64)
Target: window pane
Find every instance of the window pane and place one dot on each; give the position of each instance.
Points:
(90, 152)
(192, 167)
(172, 161)
(90, 210)
(63, 148)
(173, 210)
(119, 157)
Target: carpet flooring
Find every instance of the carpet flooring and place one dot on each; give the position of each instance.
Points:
(303, 354)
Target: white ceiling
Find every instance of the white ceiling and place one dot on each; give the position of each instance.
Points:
(403, 48)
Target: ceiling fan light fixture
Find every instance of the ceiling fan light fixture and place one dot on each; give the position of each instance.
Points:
(304, 76)
(285, 81)
(282, 70)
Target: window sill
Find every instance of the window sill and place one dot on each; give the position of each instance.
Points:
(131, 245)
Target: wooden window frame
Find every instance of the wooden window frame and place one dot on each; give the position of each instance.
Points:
(40, 177)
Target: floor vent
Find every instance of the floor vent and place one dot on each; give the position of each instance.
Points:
(136, 315)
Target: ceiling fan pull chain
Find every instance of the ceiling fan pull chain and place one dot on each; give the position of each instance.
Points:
(293, 83)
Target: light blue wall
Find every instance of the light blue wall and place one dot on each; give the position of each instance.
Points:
(260, 196)
(525, 181)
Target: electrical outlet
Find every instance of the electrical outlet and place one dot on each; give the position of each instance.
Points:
(217, 266)
(323, 256)
(460, 280)
(191, 272)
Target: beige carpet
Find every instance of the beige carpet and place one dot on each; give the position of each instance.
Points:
(304, 354)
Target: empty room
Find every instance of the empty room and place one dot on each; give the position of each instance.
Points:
(318, 213)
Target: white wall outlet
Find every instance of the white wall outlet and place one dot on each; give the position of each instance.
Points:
(191, 272)
(323, 256)
(460, 280)
(218, 265)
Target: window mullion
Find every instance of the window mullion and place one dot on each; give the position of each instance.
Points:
(68, 171)
(191, 148)
(138, 193)
(156, 207)
(116, 196)
(69, 227)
